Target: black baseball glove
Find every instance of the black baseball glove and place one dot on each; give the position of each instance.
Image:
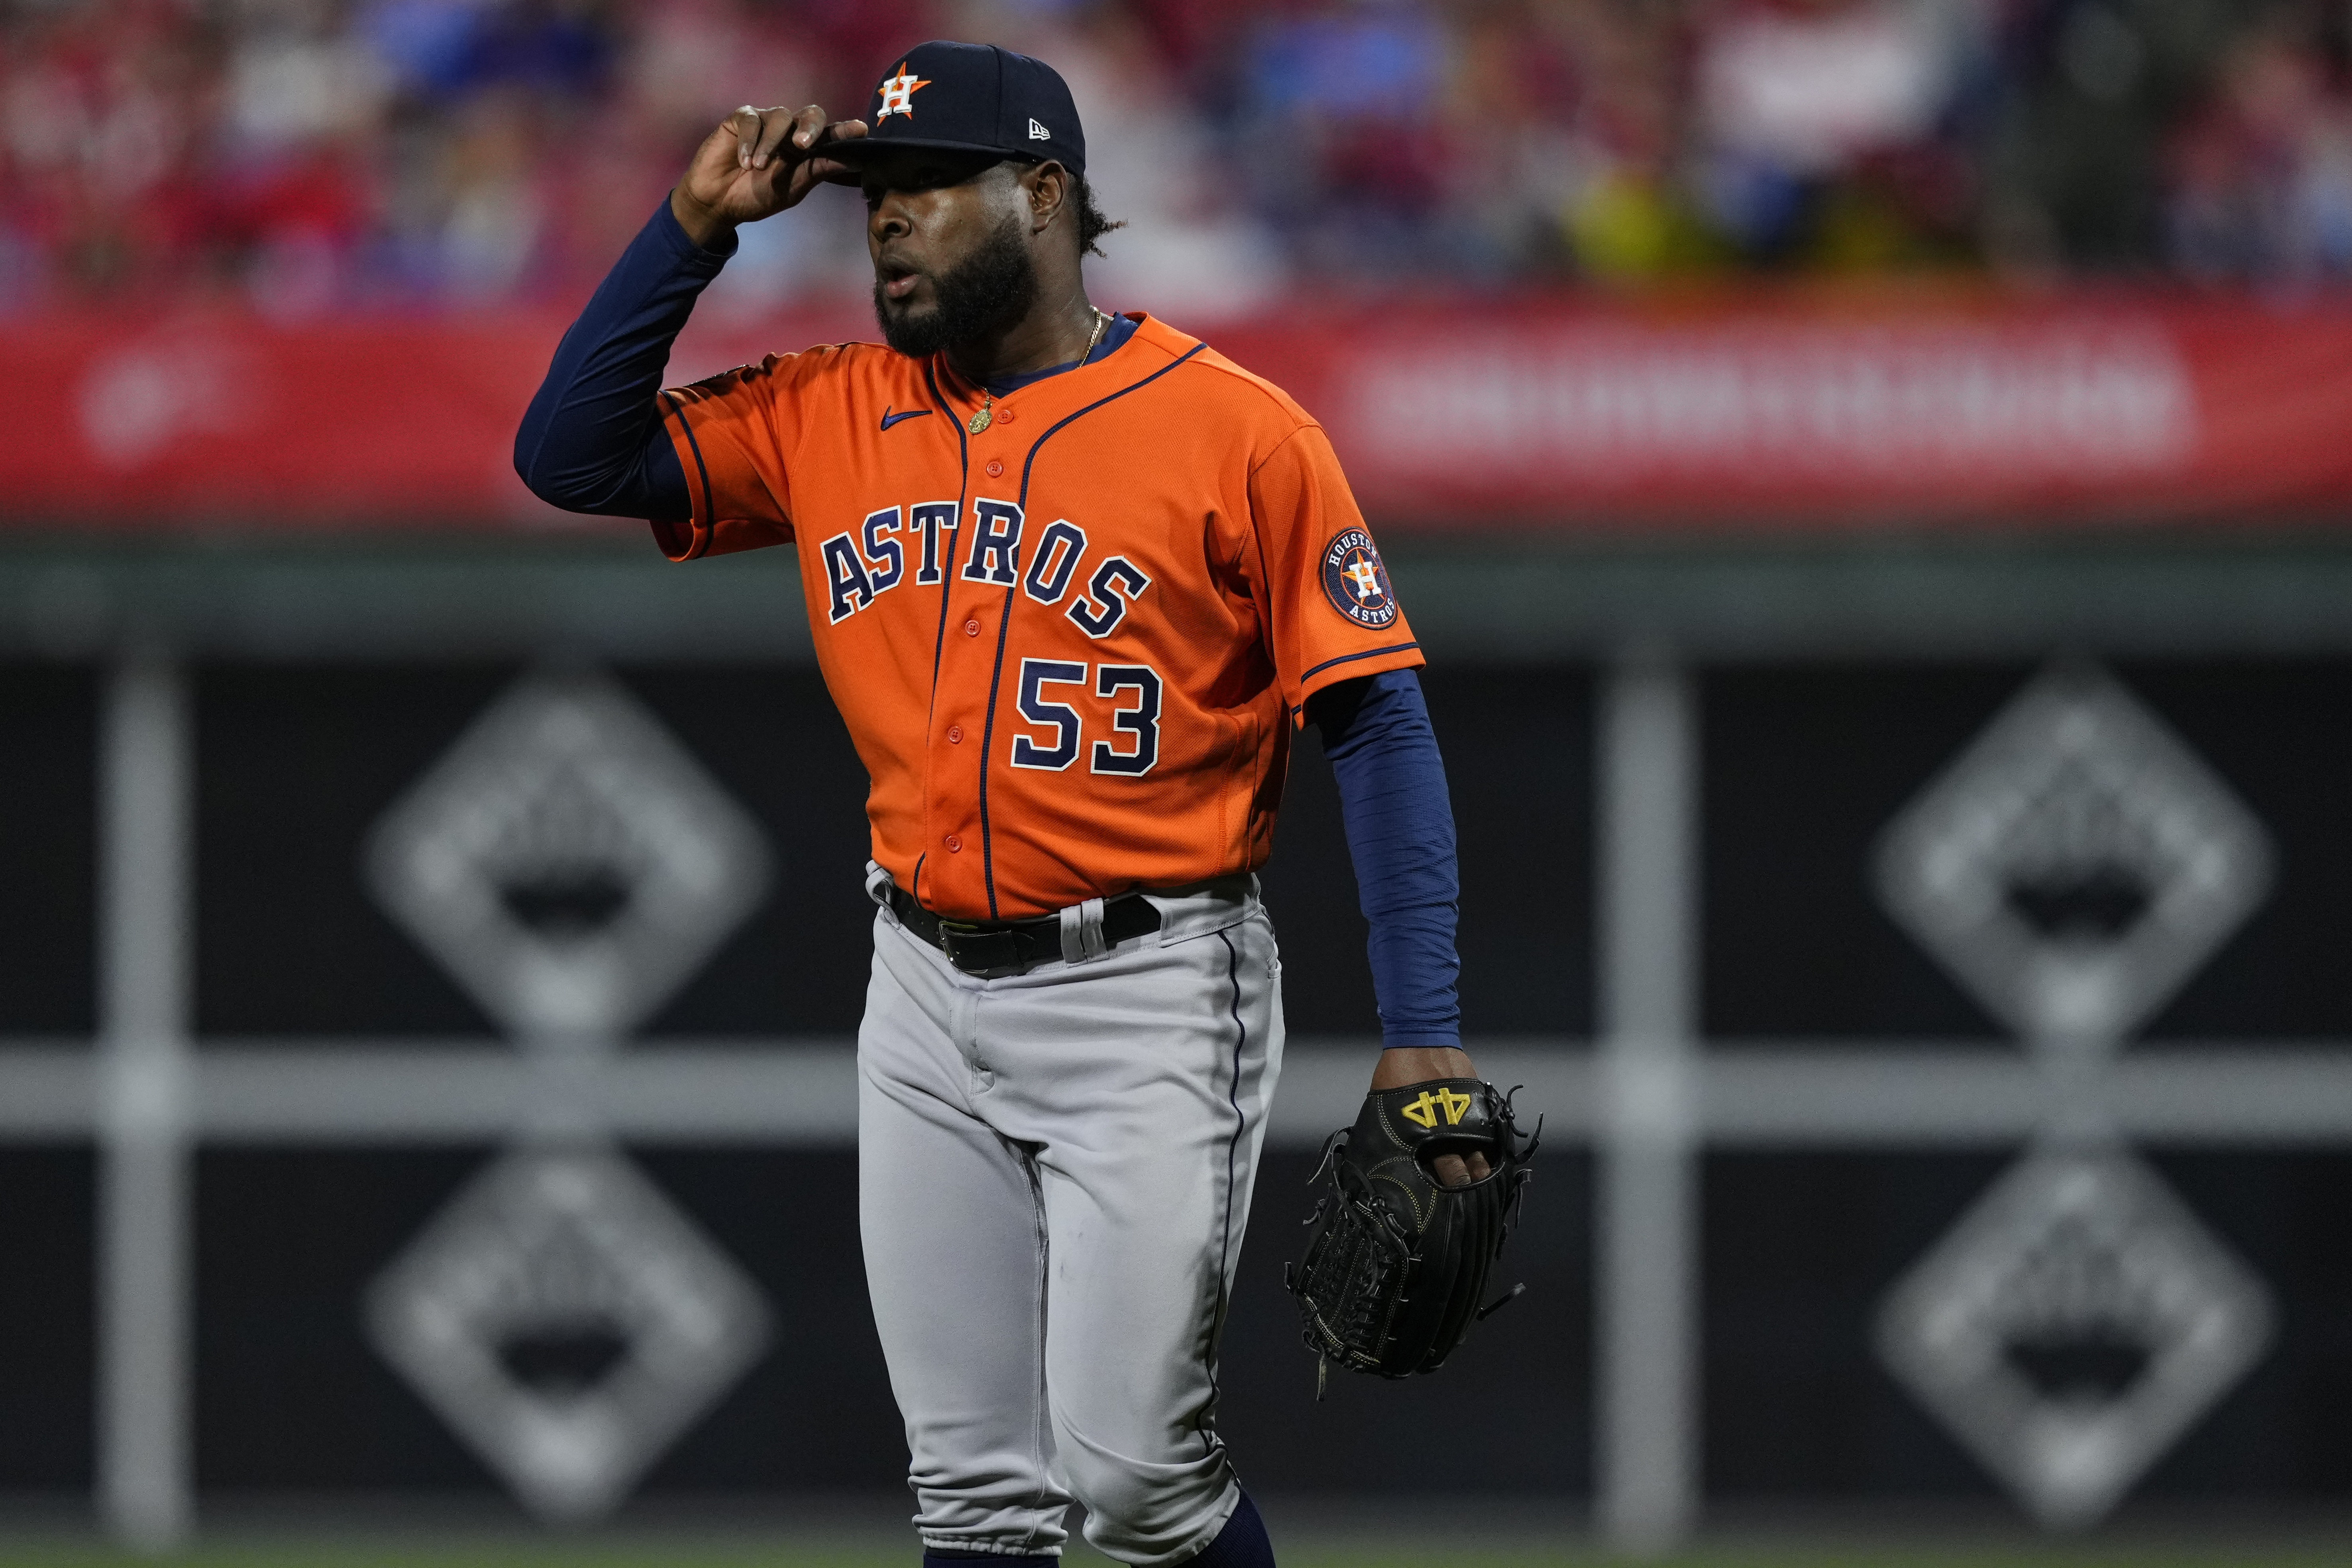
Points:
(1396, 1261)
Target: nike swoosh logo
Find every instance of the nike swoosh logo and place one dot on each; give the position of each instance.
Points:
(889, 418)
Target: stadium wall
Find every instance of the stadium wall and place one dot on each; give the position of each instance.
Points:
(248, 1096)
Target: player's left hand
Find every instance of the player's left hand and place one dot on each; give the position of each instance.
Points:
(1417, 1064)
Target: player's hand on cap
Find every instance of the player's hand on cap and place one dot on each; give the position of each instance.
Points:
(755, 164)
(1408, 1065)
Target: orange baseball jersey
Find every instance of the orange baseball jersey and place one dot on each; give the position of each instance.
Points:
(1069, 644)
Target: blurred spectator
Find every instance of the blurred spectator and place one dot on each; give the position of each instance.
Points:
(301, 97)
(313, 156)
(1622, 205)
(1341, 110)
(1818, 123)
(2262, 175)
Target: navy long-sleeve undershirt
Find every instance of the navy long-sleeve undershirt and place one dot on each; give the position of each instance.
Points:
(1400, 823)
(592, 441)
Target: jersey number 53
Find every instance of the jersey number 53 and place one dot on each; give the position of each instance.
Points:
(1133, 690)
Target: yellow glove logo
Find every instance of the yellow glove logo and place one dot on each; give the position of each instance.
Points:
(1422, 1112)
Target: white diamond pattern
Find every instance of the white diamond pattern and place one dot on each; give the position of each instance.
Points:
(568, 1323)
(567, 861)
(2075, 864)
(2071, 1326)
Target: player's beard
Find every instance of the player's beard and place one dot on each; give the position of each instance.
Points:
(986, 292)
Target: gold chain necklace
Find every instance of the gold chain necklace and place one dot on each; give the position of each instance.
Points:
(987, 415)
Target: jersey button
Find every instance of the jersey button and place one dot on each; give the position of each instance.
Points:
(955, 734)
(972, 628)
(1005, 415)
(994, 467)
(955, 845)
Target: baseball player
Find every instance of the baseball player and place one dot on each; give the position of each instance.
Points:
(1075, 579)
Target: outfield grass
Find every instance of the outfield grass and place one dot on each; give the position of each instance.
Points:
(1384, 1552)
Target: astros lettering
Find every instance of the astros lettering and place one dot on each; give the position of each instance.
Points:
(861, 567)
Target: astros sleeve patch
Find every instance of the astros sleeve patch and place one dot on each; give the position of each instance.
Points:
(1331, 612)
(1356, 580)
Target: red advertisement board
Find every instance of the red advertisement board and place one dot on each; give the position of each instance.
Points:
(1543, 414)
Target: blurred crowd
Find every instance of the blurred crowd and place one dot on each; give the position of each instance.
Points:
(319, 155)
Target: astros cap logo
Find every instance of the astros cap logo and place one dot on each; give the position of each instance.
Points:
(898, 94)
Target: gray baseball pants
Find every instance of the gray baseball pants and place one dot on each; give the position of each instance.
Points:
(1054, 1174)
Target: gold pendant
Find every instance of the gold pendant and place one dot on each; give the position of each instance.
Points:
(980, 421)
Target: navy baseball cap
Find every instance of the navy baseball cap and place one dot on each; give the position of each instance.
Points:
(972, 98)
